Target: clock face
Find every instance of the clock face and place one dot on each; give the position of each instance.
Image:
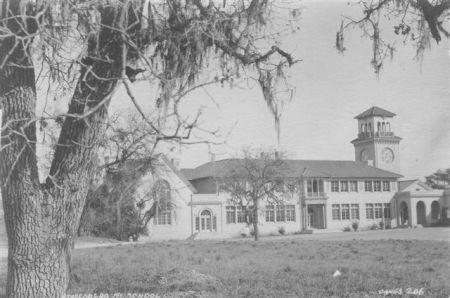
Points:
(387, 155)
(364, 156)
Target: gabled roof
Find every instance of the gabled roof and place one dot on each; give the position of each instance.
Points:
(375, 111)
(178, 173)
(139, 167)
(294, 169)
(406, 183)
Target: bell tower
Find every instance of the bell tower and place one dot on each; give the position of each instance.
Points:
(376, 144)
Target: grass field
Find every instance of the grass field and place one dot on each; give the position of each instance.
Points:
(270, 268)
(285, 268)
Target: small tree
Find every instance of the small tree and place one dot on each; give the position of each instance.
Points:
(256, 177)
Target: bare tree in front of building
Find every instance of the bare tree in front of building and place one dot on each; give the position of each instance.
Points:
(257, 178)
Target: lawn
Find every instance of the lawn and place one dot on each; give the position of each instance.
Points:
(277, 268)
(285, 268)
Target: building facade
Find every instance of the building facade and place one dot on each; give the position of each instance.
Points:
(330, 194)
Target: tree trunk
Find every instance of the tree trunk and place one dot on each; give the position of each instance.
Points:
(256, 220)
(42, 220)
(119, 219)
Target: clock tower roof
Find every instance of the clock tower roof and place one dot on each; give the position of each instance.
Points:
(375, 111)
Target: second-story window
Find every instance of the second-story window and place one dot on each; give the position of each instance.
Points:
(314, 187)
(386, 186)
(377, 186)
(344, 186)
(354, 186)
(334, 186)
(368, 185)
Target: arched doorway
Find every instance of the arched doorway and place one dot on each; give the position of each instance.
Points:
(206, 221)
(435, 210)
(404, 213)
(421, 213)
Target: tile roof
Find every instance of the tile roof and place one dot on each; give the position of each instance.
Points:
(375, 111)
(295, 168)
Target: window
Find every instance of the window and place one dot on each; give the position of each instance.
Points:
(378, 210)
(231, 214)
(354, 211)
(241, 214)
(281, 213)
(290, 212)
(314, 187)
(214, 223)
(345, 211)
(161, 193)
(336, 213)
(377, 186)
(387, 210)
(197, 223)
(344, 186)
(270, 213)
(368, 185)
(354, 186)
(334, 186)
(369, 211)
(386, 186)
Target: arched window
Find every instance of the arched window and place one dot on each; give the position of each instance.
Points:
(388, 127)
(206, 221)
(383, 127)
(435, 210)
(161, 193)
(379, 127)
(365, 128)
(370, 127)
(362, 127)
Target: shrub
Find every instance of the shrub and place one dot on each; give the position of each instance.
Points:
(374, 226)
(355, 225)
(347, 229)
(381, 224)
(281, 230)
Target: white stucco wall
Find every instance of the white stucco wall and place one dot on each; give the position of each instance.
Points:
(180, 195)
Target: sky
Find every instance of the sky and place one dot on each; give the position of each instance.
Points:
(330, 90)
